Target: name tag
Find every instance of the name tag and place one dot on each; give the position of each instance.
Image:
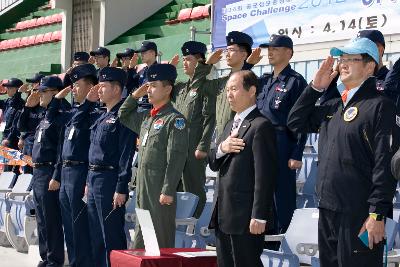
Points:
(71, 133)
(145, 138)
(39, 138)
(2, 126)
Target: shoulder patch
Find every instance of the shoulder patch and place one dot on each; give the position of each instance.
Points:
(180, 123)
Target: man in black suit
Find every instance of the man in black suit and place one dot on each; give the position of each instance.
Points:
(246, 158)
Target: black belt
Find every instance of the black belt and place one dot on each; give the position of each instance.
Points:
(71, 163)
(100, 167)
(280, 128)
(41, 164)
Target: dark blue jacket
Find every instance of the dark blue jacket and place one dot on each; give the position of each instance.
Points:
(27, 124)
(11, 110)
(276, 97)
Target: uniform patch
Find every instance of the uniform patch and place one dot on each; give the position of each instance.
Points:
(180, 123)
(398, 120)
(158, 124)
(350, 114)
(193, 93)
(111, 120)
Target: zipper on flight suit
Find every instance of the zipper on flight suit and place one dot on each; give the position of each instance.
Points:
(366, 139)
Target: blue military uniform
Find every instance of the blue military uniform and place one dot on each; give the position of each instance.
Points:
(100, 51)
(27, 124)
(137, 79)
(72, 169)
(128, 53)
(79, 57)
(44, 156)
(110, 160)
(11, 108)
(275, 99)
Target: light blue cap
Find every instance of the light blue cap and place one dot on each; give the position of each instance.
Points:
(358, 46)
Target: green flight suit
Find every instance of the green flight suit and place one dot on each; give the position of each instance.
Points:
(199, 112)
(216, 88)
(162, 154)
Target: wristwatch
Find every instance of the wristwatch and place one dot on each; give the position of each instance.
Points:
(376, 217)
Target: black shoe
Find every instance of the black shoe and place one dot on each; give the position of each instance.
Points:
(42, 264)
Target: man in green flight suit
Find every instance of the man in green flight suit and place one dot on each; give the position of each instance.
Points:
(199, 112)
(237, 51)
(162, 151)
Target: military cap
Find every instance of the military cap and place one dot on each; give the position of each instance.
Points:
(81, 56)
(374, 35)
(127, 53)
(50, 82)
(236, 37)
(35, 79)
(279, 41)
(161, 72)
(193, 47)
(111, 74)
(101, 51)
(147, 45)
(13, 82)
(82, 71)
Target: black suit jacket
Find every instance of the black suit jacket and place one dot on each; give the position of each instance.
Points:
(247, 179)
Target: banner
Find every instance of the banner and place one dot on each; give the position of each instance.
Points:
(9, 156)
(305, 21)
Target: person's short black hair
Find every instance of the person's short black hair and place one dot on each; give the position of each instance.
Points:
(114, 83)
(367, 58)
(90, 79)
(246, 48)
(168, 82)
(249, 79)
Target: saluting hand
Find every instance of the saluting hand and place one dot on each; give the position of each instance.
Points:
(91, 60)
(256, 227)
(174, 60)
(134, 61)
(3, 90)
(119, 200)
(93, 94)
(23, 88)
(255, 56)
(232, 144)
(54, 185)
(32, 100)
(214, 57)
(115, 62)
(141, 91)
(63, 93)
(166, 200)
(325, 74)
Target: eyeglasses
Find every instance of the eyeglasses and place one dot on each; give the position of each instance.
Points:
(349, 60)
(232, 50)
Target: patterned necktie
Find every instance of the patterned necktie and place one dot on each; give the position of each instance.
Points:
(235, 126)
(344, 94)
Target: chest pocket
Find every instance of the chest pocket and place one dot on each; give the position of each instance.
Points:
(42, 132)
(280, 97)
(106, 132)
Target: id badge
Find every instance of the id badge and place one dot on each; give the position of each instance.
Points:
(145, 138)
(39, 138)
(71, 133)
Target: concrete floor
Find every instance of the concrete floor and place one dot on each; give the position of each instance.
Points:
(9, 257)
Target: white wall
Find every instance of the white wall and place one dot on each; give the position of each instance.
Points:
(116, 19)
(66, 29)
